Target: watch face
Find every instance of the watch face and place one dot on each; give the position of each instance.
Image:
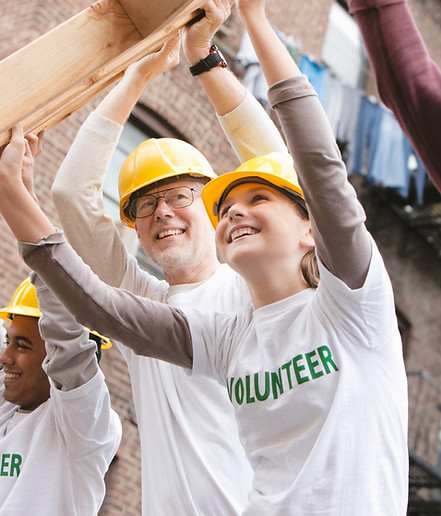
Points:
(222, 61)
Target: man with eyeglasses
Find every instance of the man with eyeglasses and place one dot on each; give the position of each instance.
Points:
(176, 197)
(192, 460)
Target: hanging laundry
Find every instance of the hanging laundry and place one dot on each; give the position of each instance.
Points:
(416, 173)
(315, 74)
(347, 125)
(333, 99)
(366, 136)
(389, 166)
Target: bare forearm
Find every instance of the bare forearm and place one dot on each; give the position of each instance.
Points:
(276, 62)
(17, 203)
(223, 89)
(118, 104)
(22, 214)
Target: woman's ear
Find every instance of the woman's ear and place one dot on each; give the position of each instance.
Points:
(307, 239)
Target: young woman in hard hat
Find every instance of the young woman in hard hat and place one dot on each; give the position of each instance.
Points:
(315, 374)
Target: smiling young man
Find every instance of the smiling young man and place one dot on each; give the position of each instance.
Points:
(185, 424)
(25, 382)
(55, 446)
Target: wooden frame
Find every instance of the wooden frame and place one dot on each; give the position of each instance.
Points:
(47, 80)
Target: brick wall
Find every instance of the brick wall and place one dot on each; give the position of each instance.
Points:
(171, 96)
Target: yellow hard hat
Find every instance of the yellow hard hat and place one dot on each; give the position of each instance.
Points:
(157, 159)
(276, 168)
(24, 302)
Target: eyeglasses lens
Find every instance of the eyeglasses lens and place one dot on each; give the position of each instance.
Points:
(179, 197)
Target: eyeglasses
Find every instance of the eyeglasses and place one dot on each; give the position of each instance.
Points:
(178, 197)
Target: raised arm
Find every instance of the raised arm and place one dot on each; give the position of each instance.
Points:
(342, 241)
(149, 328)
(18, 204)
(244, 121)
(70, 357)
(77, 188)
(408, 81)
(71, 364)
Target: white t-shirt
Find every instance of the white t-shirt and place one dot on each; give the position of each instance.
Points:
(53, 459)
(186, 425)
(318, 386)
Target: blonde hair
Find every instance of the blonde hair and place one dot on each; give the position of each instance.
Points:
(308, 264)
(309, 268)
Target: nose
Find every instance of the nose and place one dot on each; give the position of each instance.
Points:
(162, 209)
(236, 211)
(5, 356)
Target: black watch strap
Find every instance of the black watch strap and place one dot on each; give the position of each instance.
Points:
(214, 58)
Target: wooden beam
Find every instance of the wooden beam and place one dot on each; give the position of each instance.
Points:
(144, 14)
(58, 73)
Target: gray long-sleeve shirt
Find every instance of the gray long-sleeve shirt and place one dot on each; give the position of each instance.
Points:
(161, 331)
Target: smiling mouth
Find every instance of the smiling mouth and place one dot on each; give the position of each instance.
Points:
(11, 376)
(240, 232)
(169, 232)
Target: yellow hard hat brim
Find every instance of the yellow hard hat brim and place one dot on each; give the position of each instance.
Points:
(212, 191)
(11, 310)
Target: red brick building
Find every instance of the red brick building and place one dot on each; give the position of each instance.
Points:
(174, 105)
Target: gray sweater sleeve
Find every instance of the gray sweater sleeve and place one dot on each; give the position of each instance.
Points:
(149, 328)
(342, 241)
(70, 356)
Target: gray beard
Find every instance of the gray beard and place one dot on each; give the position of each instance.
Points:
(173, 259)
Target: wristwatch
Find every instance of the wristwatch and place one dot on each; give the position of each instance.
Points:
(214, 58)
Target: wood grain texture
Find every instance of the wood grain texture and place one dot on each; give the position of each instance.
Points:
(47, 80)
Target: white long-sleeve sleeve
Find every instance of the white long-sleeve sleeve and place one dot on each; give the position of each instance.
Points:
(77, 195)
(250, 131)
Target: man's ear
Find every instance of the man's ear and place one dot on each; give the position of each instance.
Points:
(137, 234)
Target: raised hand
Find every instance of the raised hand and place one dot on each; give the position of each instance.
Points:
(197, 36)
(33, 147)
(245, 7)
(17, 200)
(118, 104)
(275, 60)
(11, 158)
(154, 64)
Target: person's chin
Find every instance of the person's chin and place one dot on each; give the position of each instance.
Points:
(170, 257)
